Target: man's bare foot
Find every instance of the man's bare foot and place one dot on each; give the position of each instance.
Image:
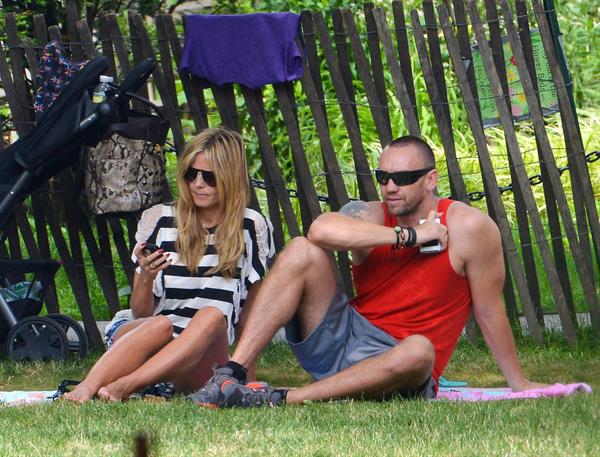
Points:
(81, 393)
(115, 391)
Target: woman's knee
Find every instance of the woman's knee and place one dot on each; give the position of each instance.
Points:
(209, 319)
(159, 327)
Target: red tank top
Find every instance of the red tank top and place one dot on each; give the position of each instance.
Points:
(404, 293)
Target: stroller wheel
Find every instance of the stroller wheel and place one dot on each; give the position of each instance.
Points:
(78, 340)
(37, 338)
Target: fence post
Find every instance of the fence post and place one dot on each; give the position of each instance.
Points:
(366, 187)
(464, 45)
(497, 49)
(568, 325)
(493, 192)
(397, 75)
(579, 182)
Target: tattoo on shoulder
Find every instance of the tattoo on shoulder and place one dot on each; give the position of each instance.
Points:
(356, 209)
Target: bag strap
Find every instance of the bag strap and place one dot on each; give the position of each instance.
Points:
(157, 109)
(63, 388)
(140, 126)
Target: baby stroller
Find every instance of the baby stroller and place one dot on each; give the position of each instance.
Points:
(53, 144)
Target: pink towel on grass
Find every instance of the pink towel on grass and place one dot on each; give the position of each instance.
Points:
(16, 398)
(483, 394)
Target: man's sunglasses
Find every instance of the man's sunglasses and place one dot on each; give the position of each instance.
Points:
(401, 178)
(208, 177)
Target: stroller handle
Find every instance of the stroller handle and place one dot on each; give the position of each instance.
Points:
(103, 110)
(136, 78)
(132, 83)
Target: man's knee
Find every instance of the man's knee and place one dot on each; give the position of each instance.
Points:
(300, 253)
(418, 355)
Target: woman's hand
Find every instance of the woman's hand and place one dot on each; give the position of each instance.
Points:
(431, 230)
(152, 263)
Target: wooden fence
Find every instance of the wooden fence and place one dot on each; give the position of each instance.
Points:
(349, 64)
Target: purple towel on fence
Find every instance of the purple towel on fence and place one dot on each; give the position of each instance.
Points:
(482, 394)
(249, 49)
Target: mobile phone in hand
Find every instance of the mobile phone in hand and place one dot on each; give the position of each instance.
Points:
(433, 246)
(149, 249)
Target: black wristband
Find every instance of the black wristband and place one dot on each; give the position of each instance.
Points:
(412, 237)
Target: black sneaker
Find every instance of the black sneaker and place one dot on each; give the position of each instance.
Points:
(238, 395)
(210, 394)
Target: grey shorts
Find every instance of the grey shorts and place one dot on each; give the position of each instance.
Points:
(342, 339)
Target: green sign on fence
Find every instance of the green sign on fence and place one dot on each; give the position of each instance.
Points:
(520, 109)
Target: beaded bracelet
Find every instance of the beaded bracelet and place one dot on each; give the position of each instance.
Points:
(404, 239)
(400, 237)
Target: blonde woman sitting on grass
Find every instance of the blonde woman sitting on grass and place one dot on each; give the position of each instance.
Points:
(189, 294)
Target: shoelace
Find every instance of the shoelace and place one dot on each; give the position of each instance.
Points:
(257, 396)
(217, 378)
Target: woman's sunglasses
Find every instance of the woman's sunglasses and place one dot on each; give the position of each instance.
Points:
(401, 178)
(208, 177)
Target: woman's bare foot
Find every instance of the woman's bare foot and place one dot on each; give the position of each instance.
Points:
(115, 391)
(81, 393)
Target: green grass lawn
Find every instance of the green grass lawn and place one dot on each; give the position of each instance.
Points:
(532, 427)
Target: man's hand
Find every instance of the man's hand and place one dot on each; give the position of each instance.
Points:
(431, 230)
(530, 385)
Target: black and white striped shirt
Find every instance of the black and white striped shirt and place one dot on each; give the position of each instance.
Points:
(181, 293)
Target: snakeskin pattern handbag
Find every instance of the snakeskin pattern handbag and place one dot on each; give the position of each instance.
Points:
(125, 171)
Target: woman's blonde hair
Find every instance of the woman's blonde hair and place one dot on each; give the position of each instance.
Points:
(225, 154)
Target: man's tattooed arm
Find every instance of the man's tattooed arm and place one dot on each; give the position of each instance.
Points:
(356, 210)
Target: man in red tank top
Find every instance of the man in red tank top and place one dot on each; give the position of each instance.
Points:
(397, 335)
